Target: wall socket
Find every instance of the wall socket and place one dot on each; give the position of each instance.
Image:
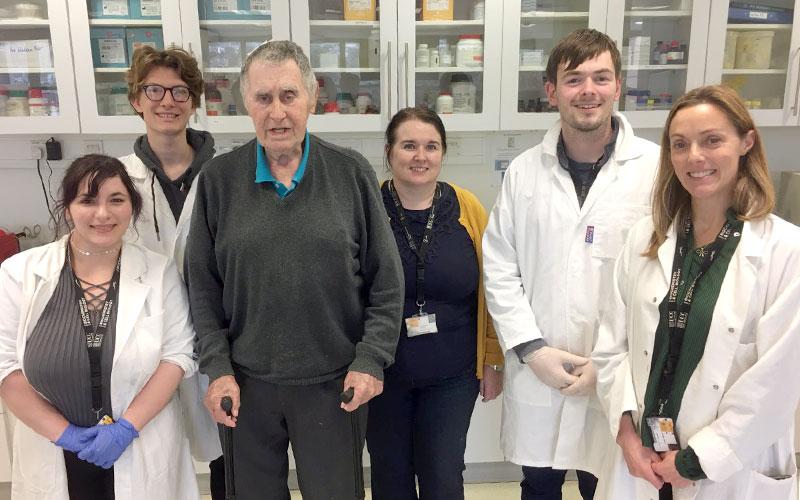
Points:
(37, 150)
(93, 147)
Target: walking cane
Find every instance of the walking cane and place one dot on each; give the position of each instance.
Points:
(227, 450)
(355, 427)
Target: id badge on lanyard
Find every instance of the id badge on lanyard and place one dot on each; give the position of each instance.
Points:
(420, 323)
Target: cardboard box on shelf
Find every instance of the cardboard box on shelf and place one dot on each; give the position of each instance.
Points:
(25, 54)
(236, 9)
(109, 47)
(138, 37)
(145, 9)
(109, 9)
(437, 10)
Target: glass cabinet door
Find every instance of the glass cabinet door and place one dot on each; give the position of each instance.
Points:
(220, 34)
(756, 51)
(105, 35)
(348, 43)
(37, 91)
(663, 54)
(531, 29)
(449, 58)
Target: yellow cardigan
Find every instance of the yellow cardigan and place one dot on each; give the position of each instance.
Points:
(474, 219)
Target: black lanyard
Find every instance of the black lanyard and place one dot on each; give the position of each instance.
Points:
(426, 238)
(678, 314)
(95, 336)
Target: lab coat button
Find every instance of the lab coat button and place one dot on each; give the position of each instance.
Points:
(716, 387)
(645, 353)
(730, 330)
(654, 300)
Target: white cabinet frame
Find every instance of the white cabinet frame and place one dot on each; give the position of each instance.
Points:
(67, 120)
(790, 113)
(510, 117)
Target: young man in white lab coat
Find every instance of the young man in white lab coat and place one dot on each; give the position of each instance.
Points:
(164, 87)
(549, 250)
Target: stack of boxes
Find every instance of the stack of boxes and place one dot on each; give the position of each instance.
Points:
(637, 52)
(233, 9)
(112, 46)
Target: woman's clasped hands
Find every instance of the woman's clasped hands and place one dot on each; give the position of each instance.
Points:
(101, 445)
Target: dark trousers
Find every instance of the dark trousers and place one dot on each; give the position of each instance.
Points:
(86, 481)
(545, 483)
(420, 429)
(216, 478)
(327, 441)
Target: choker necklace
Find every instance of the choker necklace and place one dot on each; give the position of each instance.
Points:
(89, 254)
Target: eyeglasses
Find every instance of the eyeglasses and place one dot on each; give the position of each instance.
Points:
(157, 92)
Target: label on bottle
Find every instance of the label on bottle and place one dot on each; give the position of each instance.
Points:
(260, 6)
(223, 5)
(151, 8)
(112, 50)
(438, 4)
(359, 5)
(115, 8)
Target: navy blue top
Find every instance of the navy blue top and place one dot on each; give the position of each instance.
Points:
(451, 292)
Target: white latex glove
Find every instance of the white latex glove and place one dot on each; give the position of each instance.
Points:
(547, 363)
(584, 386)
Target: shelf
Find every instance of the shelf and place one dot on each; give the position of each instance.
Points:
(112, 70)
(554, 15)
(27, 70)
(346, 24)
(125, 22)
(658, 13)
(235, 22)
(760, 27)
(540, 69)
(655, 67)
(441, 28)
(346, 70)
(24, 23)
(231, 69)
(450, 69)
(753, 71)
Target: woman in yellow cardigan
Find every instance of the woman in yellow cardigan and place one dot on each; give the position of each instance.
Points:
(448, 351)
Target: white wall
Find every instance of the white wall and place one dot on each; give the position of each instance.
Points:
(469, 163)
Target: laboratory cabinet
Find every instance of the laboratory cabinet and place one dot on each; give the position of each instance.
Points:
(37, 86)
(662, 44)
(755, 48)
(104, 35)
(374, 57)
(220, 34)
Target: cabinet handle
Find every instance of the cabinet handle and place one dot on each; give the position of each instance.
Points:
(191, 52)
(797, 88)
(407, 75)
(389, 80)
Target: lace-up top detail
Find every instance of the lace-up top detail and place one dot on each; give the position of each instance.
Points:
(95, 295)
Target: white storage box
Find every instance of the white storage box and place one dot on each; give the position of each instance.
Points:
(25, 54)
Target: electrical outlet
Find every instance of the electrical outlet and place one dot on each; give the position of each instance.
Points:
(37, 150)
(93, 147)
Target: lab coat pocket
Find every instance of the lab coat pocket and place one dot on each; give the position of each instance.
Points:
(611, 228)
(761, 487)
(746, 356)
(525, 387)
(35, 462)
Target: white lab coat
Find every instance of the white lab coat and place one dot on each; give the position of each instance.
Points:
(171, 242)
(737, 413)
(544, 280)
(153, 325)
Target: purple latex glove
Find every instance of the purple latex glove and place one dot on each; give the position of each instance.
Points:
(74, 438)
(108, 442)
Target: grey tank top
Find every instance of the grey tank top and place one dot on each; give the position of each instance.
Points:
(57, 360)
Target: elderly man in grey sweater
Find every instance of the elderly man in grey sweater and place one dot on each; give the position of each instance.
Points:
(295, 287)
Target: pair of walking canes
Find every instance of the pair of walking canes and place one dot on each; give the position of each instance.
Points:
(227, 447)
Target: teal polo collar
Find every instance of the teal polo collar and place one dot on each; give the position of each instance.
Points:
(263, 173)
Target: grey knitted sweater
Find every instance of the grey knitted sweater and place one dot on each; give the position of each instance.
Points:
(294, 290)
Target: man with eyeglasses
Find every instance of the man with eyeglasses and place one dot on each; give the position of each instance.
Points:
(164, 87)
